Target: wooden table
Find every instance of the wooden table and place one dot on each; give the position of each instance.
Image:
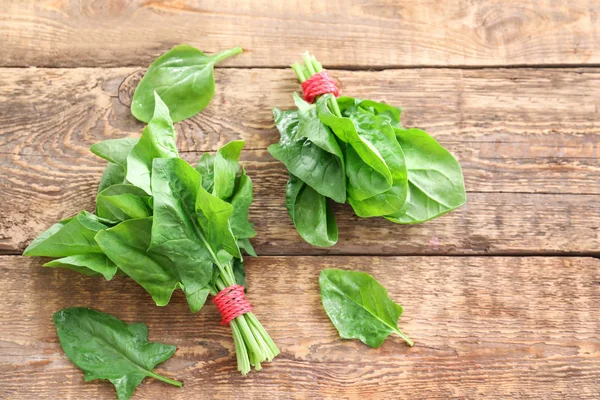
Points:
(502, 296)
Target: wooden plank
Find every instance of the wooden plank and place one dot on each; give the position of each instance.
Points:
(42, 190)
(490, 327)
(365, 33)
(509, 131)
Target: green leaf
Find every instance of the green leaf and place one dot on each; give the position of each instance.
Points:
(184, 79)
(88, 264)
(68, 238)
(121, 202)
(350, 105)
(206, 169)
(378, 131)
(113, 174)
(115, 150)
(226, 168)
(435, 179)
(241, 201)
(105, 347)
(244, 244)
(311, 214)
(127, 246)
(359, 306)
(366, 169)
(157, 141)
(320, 169)
(239, 272)
(183, 212)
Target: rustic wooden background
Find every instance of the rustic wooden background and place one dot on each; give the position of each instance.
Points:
(502, 297)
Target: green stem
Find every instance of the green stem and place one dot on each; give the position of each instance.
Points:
(406, 338)
(299, 73)
(227, 53)
(240, 349)
(166, 380)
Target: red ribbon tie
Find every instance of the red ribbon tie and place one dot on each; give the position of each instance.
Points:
(231, 303)
(317, 85)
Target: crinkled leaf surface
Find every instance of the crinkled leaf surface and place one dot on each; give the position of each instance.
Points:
(105, 347)
(359, 306)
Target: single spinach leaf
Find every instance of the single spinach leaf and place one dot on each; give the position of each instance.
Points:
(311, 214)
(241, 201)
(350, 105)
(68, 238)
(359, 306)
(113, 174)
(367, 171)
(206, 169)
(321, 170)
(435, 179)
(115, 150)
(226, 168)
(121, 202)
(184, 79)
(239, 272)
(245, 245)
(127, 246)
(88, 264)
(105, 347)
(157, 141)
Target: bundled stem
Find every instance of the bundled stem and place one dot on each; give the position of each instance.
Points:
(311, 67)
(253, 345)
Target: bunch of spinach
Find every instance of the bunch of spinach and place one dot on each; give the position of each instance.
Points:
(360, 307)
(166, 225)
(356, 151)
(105, 347)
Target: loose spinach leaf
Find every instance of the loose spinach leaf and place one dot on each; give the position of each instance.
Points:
(68, 238)
(359, 306)
(105, 347)
(121, 202)
(183, 77)
(88, 264)
(435, 179)
(311, 214)
(319, 168)
(157, 141)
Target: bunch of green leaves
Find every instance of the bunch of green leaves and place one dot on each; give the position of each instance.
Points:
(166, 225)
(356, 151)
(105, 347)
(360, 307)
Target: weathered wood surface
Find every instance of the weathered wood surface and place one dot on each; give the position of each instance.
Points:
(493, 327)
(364, 33)
(528, 141)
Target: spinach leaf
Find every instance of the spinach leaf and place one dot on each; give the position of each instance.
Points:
(435, 179)
(121, 202)
(157, 141)
(68, 237)
(206, 169)
(184, 79)
(113, 174)
(365, 166)
(114, 150)
(88, 264)
(226, 168)
(320, 169)
(105, 347)
(311, 214)
(359, 306)
(127, 246)
(241, 201)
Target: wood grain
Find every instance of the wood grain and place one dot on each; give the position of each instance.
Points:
(493, 327)
(358, 33)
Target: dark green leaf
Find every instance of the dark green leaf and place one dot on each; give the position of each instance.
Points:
(121, 202)
(68, 238)
(359, 306)
(311, 214)
(105, 347)
(435, 179)
(239, 272)
(317, 167)
(206, 169)
(244, 244)
(226, 168)
(183, 77)
(127, 246)
(241, 201)
(87, 264)
(157, 141)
